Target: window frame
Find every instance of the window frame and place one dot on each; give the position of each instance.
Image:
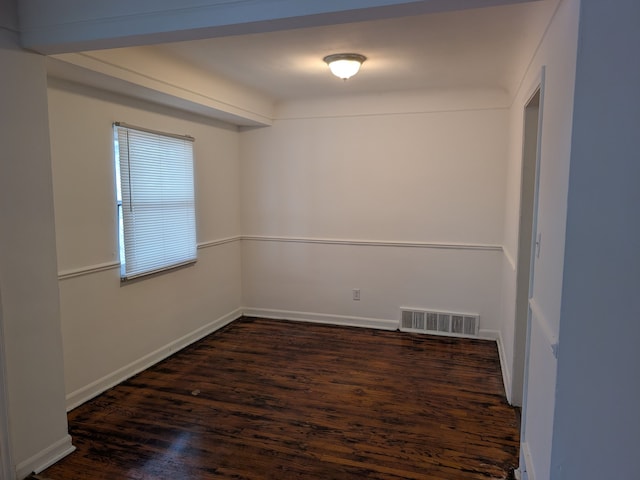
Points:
(160, 230)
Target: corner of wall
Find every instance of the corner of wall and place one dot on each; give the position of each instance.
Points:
(31, 329)
(496, 336)
(528, 472)
(87, 392)
(45, 458)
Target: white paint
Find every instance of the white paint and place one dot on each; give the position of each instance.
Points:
(88, 270)
(539, 402)
(109, 329)
(329, 319)
(557, 53)
(529, 471)
(67, 25)
(508, 295)
(389, 103)
(319, 278)
(401, 179)
(134, 330)
(504, 367)
(550, 336)
(595, 367)
(434, 177)
(101, 267)
(112, 379)
(152, 75)
(373, 243)
(597, 419)
(525, 272)
(82, 148)
(219, 241)
(45, 458)
(28, 283)
(517, 473)
(492, 48)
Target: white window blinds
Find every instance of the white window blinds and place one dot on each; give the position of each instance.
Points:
(157, 200)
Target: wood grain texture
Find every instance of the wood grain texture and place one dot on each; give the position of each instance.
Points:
(268, 399)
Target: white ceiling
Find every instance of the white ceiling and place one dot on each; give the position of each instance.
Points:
(488, 47)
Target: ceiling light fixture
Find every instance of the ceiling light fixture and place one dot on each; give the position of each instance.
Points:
(344, 65)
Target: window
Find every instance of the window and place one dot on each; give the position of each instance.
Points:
(155, 195)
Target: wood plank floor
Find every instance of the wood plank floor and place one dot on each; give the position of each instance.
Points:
(265, 399)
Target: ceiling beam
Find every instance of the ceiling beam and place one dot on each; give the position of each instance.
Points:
(63, 26)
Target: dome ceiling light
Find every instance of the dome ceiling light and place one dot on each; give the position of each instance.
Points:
(344, 65)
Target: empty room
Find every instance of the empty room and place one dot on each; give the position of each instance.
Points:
(367, 274)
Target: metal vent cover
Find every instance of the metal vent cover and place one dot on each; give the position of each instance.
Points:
(439, 323)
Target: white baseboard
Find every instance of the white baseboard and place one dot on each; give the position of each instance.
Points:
(378, 323)
(496, 335)
(488, 334)
(87, 392)
(45, 458)
(529, 472)
(97, 387)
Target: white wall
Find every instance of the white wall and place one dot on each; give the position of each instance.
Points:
(28, 284)
(111, 330)
(154, 75)
(342, 184)
(557, 53)
(597, 419)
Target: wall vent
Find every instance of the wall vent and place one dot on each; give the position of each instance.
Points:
(439, 323)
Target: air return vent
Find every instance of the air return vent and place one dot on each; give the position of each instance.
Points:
(439, 323)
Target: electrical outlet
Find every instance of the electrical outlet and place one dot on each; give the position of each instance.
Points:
(356, 294)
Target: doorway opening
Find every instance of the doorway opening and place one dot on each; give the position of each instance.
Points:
(528, 250)
(527, 244)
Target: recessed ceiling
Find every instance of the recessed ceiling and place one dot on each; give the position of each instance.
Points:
(487, 47)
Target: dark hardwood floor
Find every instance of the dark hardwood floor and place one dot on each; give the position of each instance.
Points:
(265, 399)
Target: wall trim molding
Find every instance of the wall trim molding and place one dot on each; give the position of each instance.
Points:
(374, 243)
(324, 318)
(200, 101)
(377, 323)
(346, 320)
(543, 322)
(534, 55)
(78, 397)
(46, 457)
(103, 267)
(220, 241)
(88, 270)
(509, 258)
(529, 472)
(388, 113)
(506, 374)
(83, 394)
